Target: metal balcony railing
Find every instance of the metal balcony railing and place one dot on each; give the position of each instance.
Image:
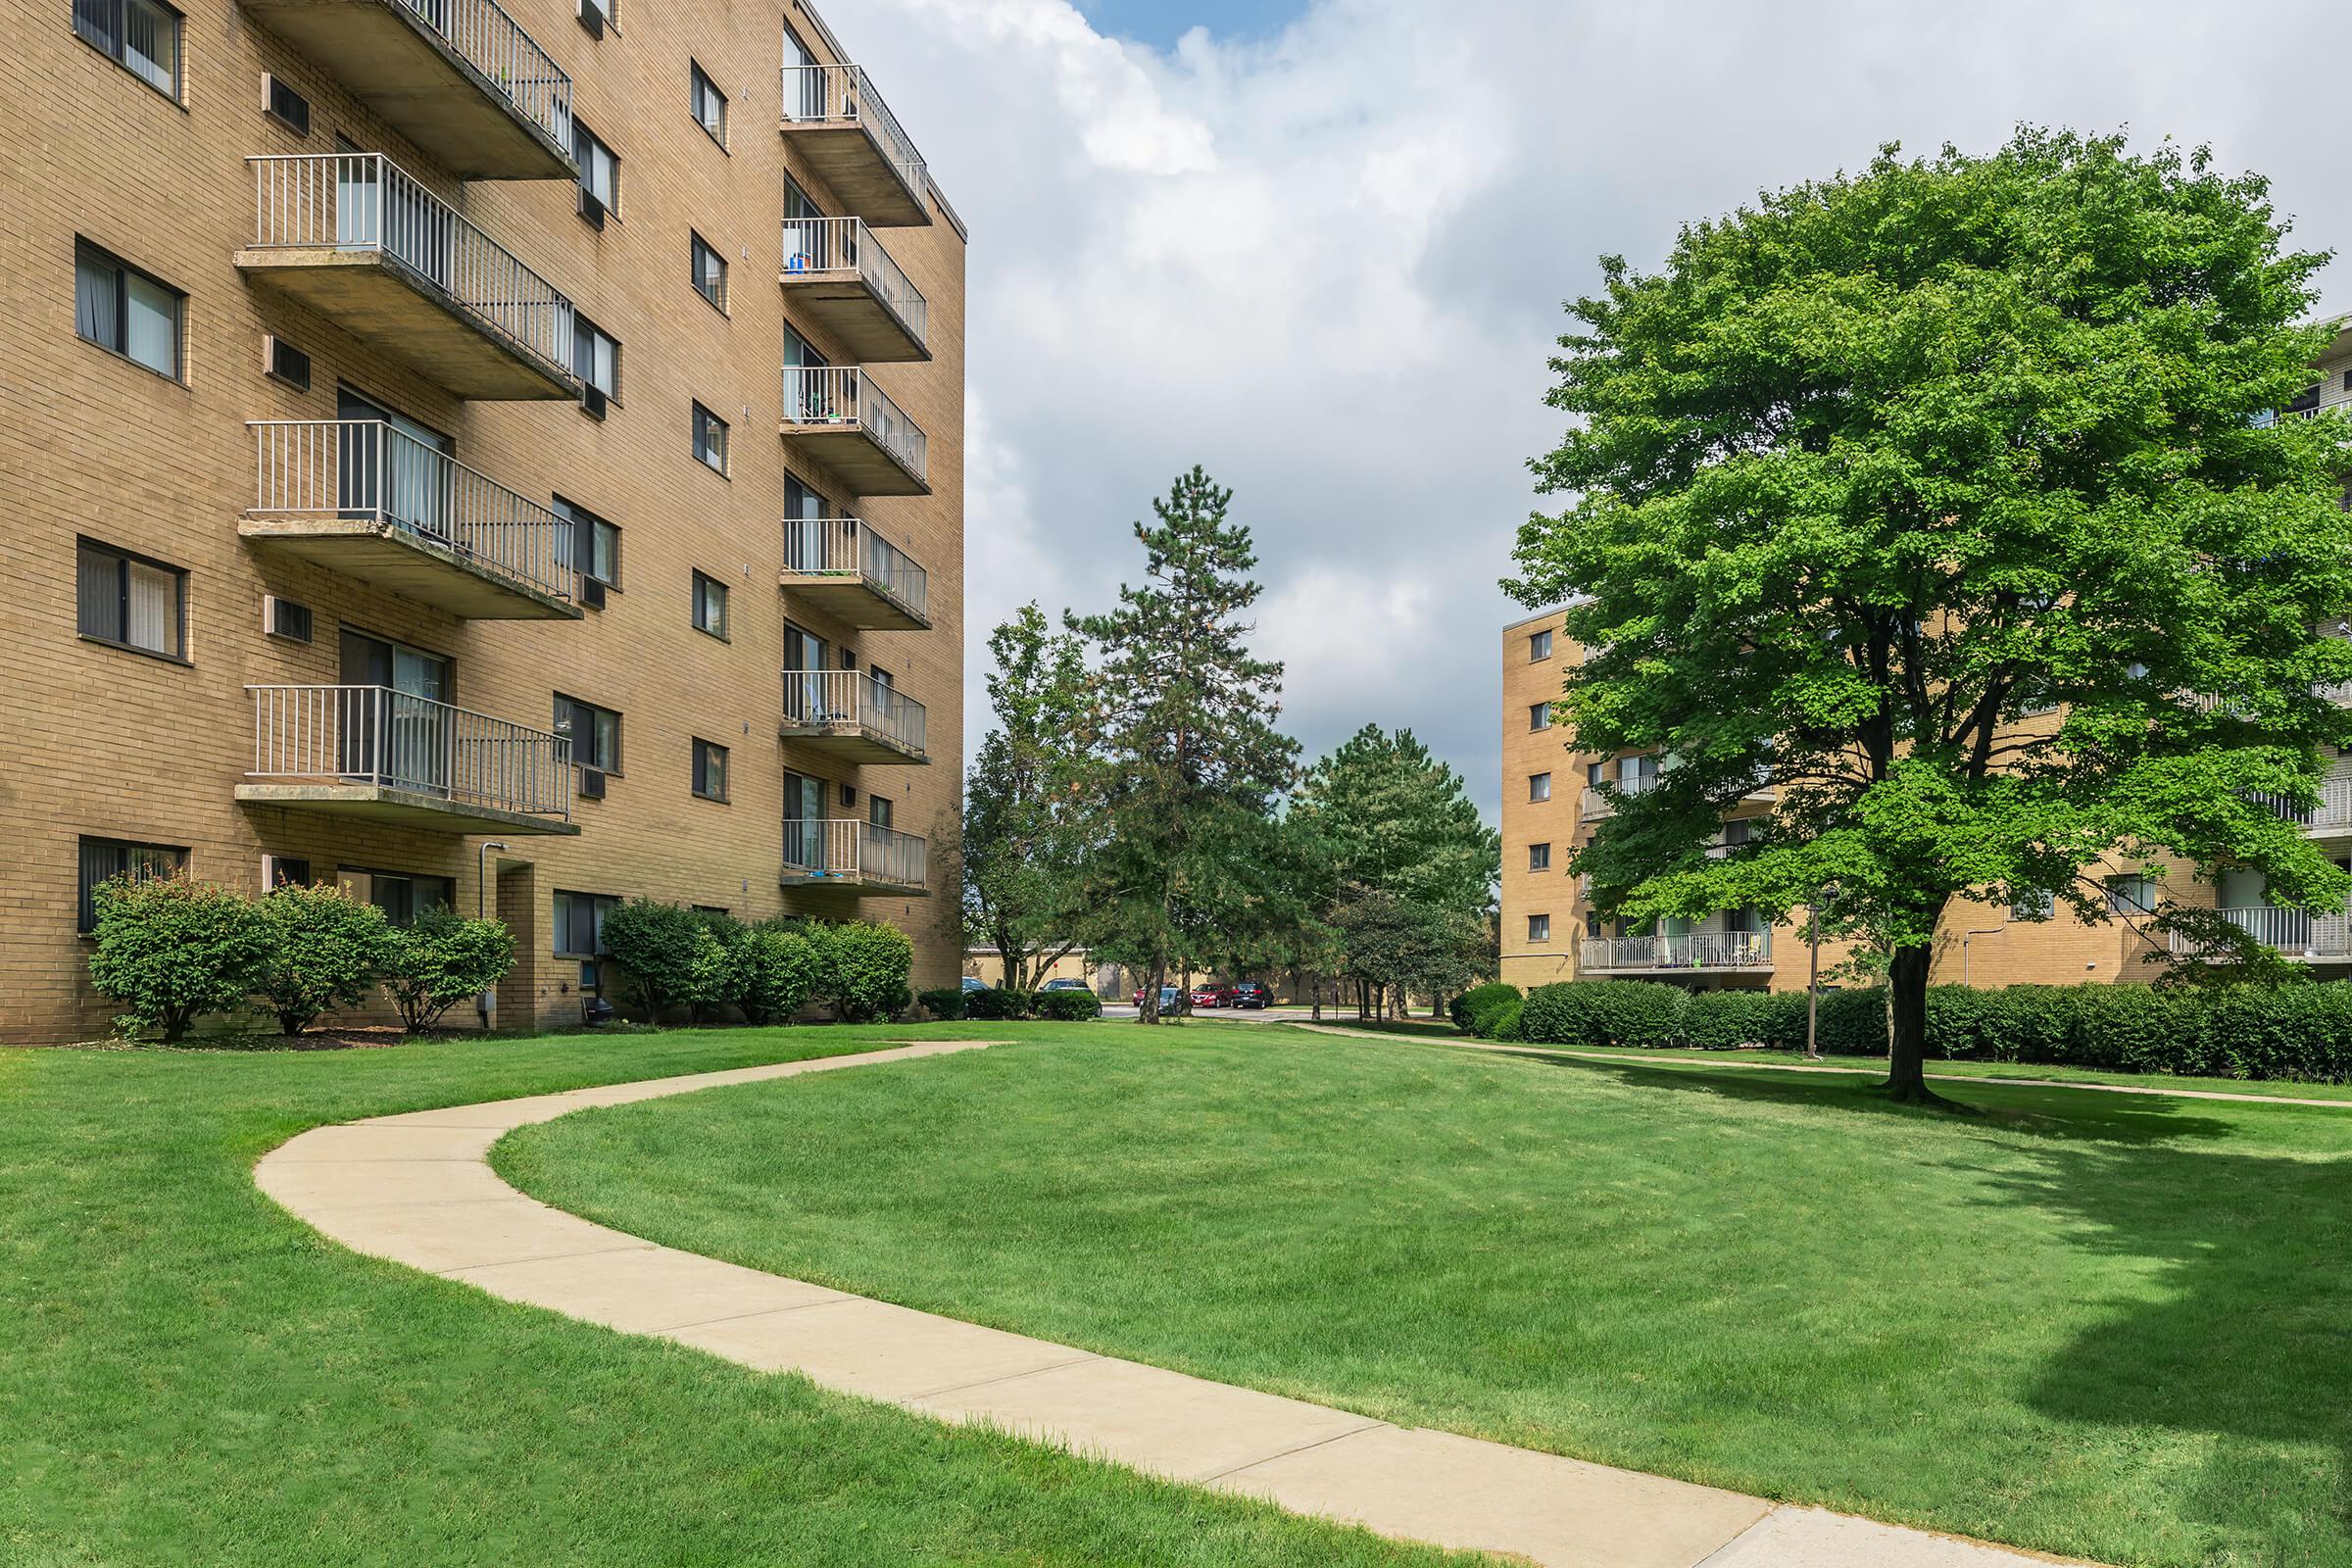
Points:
(375, 735)
(1697, 950)
(850, 698)
(486, 38)
(1593, 804)
(847, 245)
(845, 547)
(855, 851)
(845, 395)
(2297, 933)
(367, 468)
(365, 202)
(815, 95)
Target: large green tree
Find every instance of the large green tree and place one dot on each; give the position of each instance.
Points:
(1181, 723)
(1026, 821)
(1944, 500)
(1391, 822)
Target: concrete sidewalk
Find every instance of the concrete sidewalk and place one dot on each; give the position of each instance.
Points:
(417, 1189)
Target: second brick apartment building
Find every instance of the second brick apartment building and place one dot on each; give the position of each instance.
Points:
(1553, 800)
(503, 456)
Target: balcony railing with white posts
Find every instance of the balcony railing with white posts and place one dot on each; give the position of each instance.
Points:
(2295, 933)
(486, 38)
(846, 547)
(815, 245)
(1594, 805)
(854, 853)
(818, 95)
(846, 396)
(365, 202)
(851, 700)
(1697, 950)
(376, 736)
(368, 468)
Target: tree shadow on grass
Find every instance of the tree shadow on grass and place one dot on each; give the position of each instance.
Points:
(2069, 1114)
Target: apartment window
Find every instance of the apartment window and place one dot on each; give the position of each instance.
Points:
(711, 605)
(710, 770)
(596, 16)
(880, 810)
(2131, 893)
(710, 105)
(1736, 830)
(130, 600)
(595, 356)
(600, 174)
(1596, 774)
(1538, 928)
(579, 929)
(710, 271)
(1538, 786)
(286, 870)
(2031, 904)
(709, 439)
(1538, 857)
(1539, 646)
(1539, 716)
(402, 896)
(139, 35)
(594, 733)
(103, 860)
(126, 311)
(593, 544)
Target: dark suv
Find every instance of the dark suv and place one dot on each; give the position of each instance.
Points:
(1250, 994)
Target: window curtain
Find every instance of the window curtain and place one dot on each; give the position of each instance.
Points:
(151, 43)
(154, 608)
(97, 301)
(99, 588)
(152, 330)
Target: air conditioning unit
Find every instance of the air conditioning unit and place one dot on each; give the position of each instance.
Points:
(285, 104)
(592, 593)
(593, 401)
(592, 16)
(284, 869)
(592, 208)
(283, 362)
(283, 617)
(849, 795)
(592, 784)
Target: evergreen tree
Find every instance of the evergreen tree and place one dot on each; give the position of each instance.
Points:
(1187, 761)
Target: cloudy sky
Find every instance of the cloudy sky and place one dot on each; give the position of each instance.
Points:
(1321, 248)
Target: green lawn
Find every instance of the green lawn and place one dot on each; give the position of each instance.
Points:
(188, 1375)
(2092, 1324)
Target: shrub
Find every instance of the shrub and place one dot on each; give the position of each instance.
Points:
(441, 959)
(1604, 1012)
(172, 949)
(1727, 1021)
(863, 973)
(1852, 1023)
(655, 944)
(1488, 1000)
(326, 950)
(1067, 1006)
(998, 1002)
(712, 974)
(1503, 1022)
(944, 1003)
(776, 971)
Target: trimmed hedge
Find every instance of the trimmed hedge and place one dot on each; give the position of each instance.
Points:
(1067, 1006)
(996, 1002)
(945, 1003)
(2291, 1032)
(1477, 1010)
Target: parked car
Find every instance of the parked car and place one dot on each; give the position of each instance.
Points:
(1207, 996)
(972, 983)
(1171, 999)
(1065, 983)
(1250, 994)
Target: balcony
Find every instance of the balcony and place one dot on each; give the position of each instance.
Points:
(853, 144)
(837, 274)
(853, 857)
(2294, 933)
(854, 575)
(1591, 806)
(1695, 953)
(835, 415)
(457, 78)
(851, 715)
(367, 500)
(372, 754)
(354, 238)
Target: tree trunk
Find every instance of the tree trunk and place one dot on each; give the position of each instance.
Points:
(1907, 1051)
(1154, 977)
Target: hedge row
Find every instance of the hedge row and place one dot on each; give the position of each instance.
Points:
(2294, 1032)
(702, 960)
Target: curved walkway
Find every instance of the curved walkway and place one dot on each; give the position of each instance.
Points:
(417, 1189)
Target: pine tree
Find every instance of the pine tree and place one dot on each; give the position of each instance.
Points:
(1187, 761)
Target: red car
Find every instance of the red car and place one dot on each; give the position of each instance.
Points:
(1211, 995)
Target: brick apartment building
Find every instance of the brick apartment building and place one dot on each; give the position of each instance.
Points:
(402, 488)
(1551, 802)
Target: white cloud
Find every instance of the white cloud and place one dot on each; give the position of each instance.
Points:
(1328, 265)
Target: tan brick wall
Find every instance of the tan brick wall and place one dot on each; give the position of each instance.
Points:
(1977, 942)
(104, 742)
